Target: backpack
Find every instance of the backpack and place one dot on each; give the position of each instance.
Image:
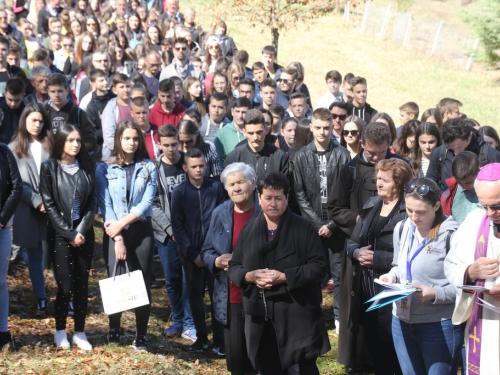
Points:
(483, 157)
(447, 238)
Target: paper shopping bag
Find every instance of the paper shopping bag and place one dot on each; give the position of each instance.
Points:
(124, 292)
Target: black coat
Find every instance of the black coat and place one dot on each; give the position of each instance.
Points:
(269, 159)
(11, 185)
(307, 185)
(382, 259)
(57, 189)
(296, 312)
(9, 120)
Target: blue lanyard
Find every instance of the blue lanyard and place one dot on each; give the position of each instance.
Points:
(408, 260)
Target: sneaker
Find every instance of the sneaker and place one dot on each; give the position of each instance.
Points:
(219, 350)
(140, 344)
(198, 346)
(80, 340)
(61, 339)
(114, 336)
(174, 330)
(41, 306)
(71, 309)
(328, 288)
(189, 334)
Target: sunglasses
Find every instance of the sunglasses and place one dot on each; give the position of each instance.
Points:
(285, 81)
(493, 207)
(421, 190)
(91, 24)
(189, 141)
(180, 48)
(340, 117)
(68, 45)
(213, 47)
(354, 133)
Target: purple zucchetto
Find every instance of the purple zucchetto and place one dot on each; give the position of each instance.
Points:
(490, 172)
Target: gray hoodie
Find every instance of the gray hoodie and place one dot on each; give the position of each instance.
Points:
(109, 121)
(426, 269)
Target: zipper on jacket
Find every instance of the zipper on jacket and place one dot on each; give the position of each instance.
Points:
(201, 213)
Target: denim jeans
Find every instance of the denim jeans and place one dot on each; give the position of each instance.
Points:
(35, 267)
(5, 244)
(427, 348)
(175, 283)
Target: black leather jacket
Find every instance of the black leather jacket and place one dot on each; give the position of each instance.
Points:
(11, 185)
(58, 190)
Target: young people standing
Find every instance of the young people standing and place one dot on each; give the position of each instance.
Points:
(126, 185)
(67, 187)
(171, 174)
(360, 107)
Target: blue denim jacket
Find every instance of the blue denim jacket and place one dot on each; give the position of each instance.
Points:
(112, 190)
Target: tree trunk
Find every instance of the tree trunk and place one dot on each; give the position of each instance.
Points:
(276, 36)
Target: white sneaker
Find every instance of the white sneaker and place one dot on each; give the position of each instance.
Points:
(80, 340)
(337, 327)
(61, 339)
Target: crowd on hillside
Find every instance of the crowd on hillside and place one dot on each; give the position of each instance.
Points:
(131, 111)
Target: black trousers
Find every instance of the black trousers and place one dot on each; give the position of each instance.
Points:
(237, 359)
(139, 242)
(268, 357)
(71, 271)
(195, 279)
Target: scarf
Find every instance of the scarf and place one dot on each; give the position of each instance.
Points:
(476, 320)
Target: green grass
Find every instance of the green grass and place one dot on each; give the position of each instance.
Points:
(395, 75)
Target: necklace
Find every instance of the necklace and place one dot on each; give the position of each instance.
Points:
(387, 207)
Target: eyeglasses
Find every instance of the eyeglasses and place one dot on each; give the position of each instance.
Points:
(340, 117)
(493, 207)
(354, 133)
(101, 61)
(285, 81)
(68, 45)
(91, 24)
(189, 141)
(180, 48)
(213, 47)
(421, 190)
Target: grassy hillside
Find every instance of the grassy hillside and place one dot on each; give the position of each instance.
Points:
(395, 75)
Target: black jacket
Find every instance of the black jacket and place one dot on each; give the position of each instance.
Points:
(94, 111)
(382, 259)
(356, 185)
(307, 181)
(191, 214)
(11, 185)
(57, 189)
(9, 120)
(474, 146)
(294, 308)
(70, 113)
(269, 159)
(365, 113)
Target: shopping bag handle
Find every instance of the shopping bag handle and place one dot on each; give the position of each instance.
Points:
(114, 269)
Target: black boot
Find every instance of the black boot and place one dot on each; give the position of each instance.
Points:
(6, 339)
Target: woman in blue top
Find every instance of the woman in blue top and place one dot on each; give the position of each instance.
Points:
(426, 341)
(126, 187)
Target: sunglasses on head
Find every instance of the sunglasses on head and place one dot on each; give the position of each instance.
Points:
(354, 133)
(492, 207)
(421, 190)
(340, 117)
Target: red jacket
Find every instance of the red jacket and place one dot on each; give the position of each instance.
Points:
(159, 117)
(448, 195)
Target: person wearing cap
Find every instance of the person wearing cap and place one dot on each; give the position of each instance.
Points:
(473, 261)
(212, 53)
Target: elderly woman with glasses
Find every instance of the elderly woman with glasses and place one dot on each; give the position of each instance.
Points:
(227, 222)
(370, 250)
(426, 341)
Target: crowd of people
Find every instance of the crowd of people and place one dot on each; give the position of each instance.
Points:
(131, 111)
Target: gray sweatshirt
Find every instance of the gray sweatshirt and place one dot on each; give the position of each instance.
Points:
(427, 268)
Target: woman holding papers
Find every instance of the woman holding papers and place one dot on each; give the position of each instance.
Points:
(371, 252)
(426, 341)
